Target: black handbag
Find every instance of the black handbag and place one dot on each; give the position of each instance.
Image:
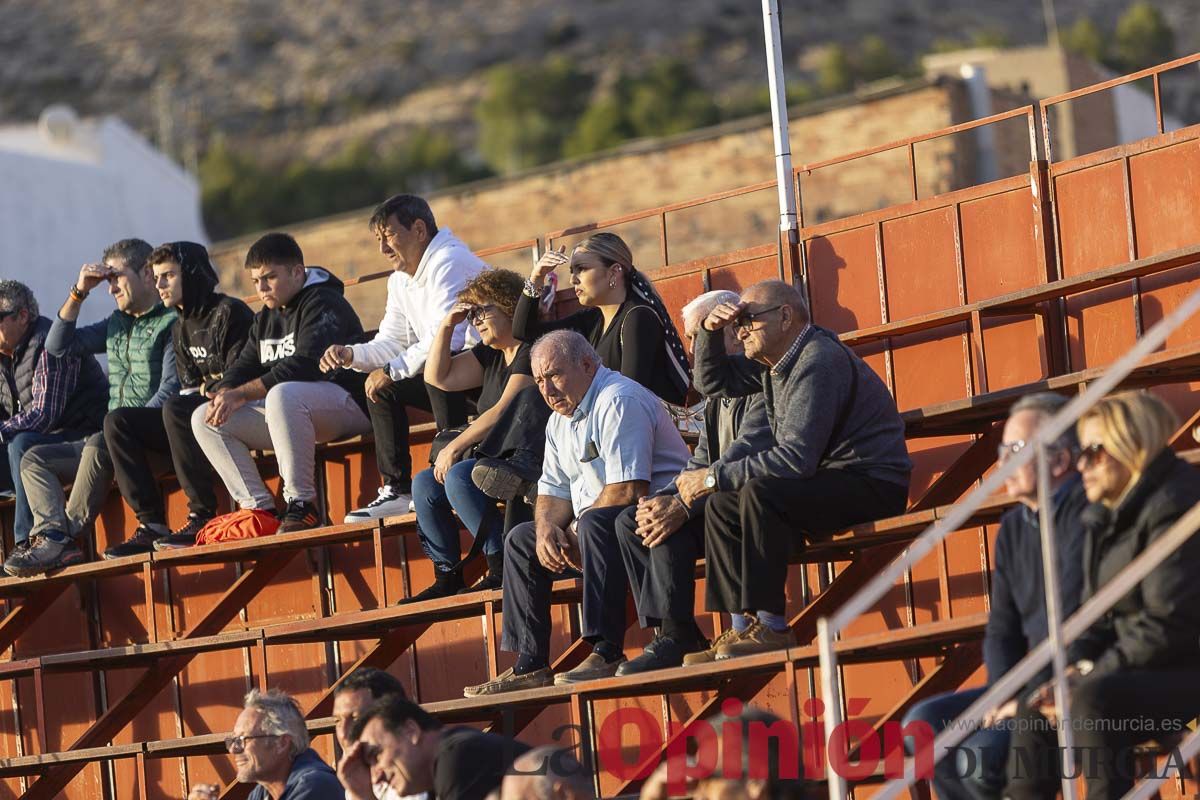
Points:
(443, 438)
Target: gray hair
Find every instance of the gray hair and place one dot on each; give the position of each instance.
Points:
(696, 311)
(547, 765)
(133, 253)
(281, 716)
(565, 344)
(787, 294)
(1047, 404)
(16, 296)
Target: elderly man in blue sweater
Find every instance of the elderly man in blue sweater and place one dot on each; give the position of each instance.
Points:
(838, 459)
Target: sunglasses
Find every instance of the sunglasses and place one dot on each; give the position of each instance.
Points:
(477, 313)
(237, 744)
(11, 312)
(746, 319)
(1088, 455)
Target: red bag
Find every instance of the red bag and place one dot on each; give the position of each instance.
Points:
(244, 524)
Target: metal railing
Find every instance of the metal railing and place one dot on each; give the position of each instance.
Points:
(1052, 649)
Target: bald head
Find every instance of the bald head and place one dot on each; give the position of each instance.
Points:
(547, 773)
(778, 293)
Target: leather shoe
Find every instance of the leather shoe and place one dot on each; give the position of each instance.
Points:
(758, 638)
(662, 653)
(508, 681)
(593, 668)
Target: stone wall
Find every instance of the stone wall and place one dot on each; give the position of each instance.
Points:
(652, 173)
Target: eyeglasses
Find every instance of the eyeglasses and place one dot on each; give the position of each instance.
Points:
(6, 314)
(237, 744)
(1088, 455)
(747, 318)
(477, 313)
(1006, 450)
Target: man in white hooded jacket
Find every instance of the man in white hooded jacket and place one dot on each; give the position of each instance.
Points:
(431, 267)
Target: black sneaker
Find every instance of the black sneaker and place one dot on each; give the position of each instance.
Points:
(184, 537)
(142, 542)
(662, 653)
(44, 552)
(444, 585)
(300, 515)
(506, 479)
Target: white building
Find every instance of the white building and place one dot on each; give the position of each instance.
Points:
(71, 187)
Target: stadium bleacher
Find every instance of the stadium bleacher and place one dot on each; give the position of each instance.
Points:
(123, 676)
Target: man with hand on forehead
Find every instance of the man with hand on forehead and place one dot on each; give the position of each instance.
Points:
(839, 456)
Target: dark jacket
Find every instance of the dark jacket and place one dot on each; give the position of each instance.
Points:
(1157, 624)
(310, 779)
(212, 327)
(73, 389)
(750, 429)
(286, 343)
(826, 408)
(469, 764)
(1017, 622)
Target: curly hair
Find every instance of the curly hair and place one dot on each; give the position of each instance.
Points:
(499, 287)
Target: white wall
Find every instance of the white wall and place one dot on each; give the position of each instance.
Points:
(62, 203)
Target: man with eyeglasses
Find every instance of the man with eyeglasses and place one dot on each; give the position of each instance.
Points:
(430, 266)
(269, 745)
(838, 456)
(43, 398)
(1017, 622)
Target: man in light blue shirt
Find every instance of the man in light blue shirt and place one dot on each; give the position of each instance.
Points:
(609, 442)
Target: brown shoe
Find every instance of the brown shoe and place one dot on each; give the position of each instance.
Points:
(710, 655)
(507, 681)
(593, 668)
(758, 638)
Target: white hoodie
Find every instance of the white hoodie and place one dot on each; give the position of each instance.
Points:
(416, 306)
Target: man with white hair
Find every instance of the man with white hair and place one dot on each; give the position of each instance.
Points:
(269, 745)
(661, 537)
(547, 773)
(609, 442)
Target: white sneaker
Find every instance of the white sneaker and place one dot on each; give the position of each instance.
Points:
(388, 503)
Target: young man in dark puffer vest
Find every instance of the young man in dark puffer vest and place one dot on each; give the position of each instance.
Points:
(144, 442)
(43, 399)
(275, 396)
(141, 372)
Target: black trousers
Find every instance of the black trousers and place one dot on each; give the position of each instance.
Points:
(136, 435)
(527, 585)
(521, 426)
(389, 421)
(1110, 715)
(663, 578)
(750, 534)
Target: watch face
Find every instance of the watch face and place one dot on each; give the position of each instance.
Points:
(710, 481)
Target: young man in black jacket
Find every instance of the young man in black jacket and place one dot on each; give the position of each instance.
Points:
(142, 442)
(275, 396)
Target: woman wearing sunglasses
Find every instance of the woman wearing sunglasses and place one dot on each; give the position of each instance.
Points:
(499, 367)
(622, 317)
(1135, 673)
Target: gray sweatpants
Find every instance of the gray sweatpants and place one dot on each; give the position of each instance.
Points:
(291, 421)
(46, 468)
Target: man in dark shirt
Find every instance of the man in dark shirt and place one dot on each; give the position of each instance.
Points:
(208, 335)
(838, 458)
(1017, 622)
(410, 752)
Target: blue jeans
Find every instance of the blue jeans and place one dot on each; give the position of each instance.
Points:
(437, 504)
(975, 770)
(10, 474)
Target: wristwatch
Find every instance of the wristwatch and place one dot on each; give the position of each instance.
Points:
(530, 290)
(710, 479)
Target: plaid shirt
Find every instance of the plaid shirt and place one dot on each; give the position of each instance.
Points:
(53, 381)
(789, 358)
